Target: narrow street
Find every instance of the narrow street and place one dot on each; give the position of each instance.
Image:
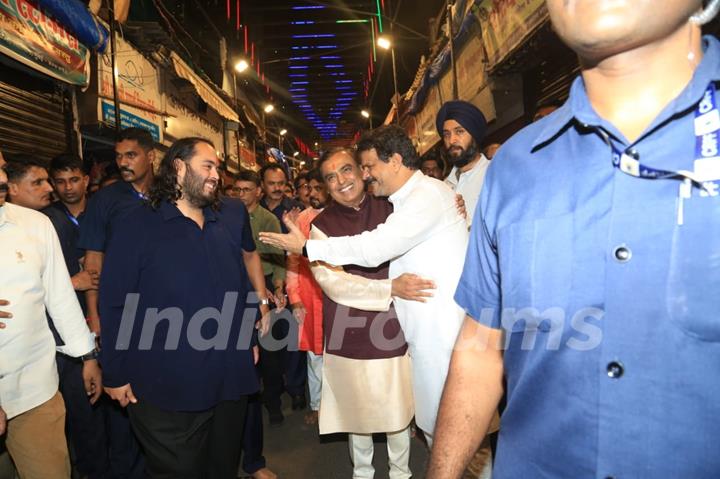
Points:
(294, 450)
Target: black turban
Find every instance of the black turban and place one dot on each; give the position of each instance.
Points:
(467, 114)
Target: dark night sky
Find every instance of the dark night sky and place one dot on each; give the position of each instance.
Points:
(270, 24)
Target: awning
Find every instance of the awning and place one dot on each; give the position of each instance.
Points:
(206, 93)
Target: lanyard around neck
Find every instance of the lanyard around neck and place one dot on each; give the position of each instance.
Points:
(705, 174)
(706, 167)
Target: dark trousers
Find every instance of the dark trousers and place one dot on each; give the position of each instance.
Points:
(126, 457)
(288, 362)
(252, 444)
(84, 423)
(190, 445)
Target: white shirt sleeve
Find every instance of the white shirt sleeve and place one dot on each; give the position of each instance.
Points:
(60, 300)
(405, 228)
(348, 289)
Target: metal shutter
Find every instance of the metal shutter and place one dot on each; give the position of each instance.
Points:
(33, 117)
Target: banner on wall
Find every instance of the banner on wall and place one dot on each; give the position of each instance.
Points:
(427, 134)
(34, 38)
(470, 68)
(505, 23)
(137, 78)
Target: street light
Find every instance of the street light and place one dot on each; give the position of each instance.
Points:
(241, 65)
(366, 114)
(385, 43)
(280, 138)
(268, 108)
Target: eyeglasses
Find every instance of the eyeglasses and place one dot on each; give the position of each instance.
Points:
(237, 189)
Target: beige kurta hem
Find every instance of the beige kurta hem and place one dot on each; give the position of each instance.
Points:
(366, 396)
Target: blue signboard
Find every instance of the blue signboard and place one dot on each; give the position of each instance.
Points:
(128, 120)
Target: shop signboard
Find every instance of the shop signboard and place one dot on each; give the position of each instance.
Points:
(247, 159)
(131, 117)
(32, 37)
(506, 23)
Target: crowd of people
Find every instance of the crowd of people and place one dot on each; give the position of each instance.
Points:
(559, 290)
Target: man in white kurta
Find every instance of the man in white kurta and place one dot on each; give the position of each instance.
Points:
(424, 235)
(34, 280)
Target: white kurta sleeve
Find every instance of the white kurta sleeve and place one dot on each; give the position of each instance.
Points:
(348, 289)
(60, 299)
(405, 228)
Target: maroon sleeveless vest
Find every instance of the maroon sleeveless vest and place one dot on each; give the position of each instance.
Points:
(344, 331)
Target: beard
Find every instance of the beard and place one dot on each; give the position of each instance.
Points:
(316, 203)
(464, 157)
(193, 189)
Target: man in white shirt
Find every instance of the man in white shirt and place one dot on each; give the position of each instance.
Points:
(462, 127)
(424, 235)
(35, 279)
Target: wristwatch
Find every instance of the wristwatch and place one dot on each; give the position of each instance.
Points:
(94, 354)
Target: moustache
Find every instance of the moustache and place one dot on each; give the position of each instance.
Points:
(126, 169)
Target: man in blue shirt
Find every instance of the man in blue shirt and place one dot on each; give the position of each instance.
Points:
(178, 324)
(288, 360)
(134, 155)
(70, 183)
(86, 423)
(592, 288)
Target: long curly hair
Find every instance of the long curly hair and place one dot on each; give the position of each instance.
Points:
(166, 186)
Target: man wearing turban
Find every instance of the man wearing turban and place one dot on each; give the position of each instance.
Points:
(462, 127)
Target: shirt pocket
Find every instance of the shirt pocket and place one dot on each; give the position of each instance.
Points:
(693, 284)
(536, 260)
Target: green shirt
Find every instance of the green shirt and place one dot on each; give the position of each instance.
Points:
(273, 259)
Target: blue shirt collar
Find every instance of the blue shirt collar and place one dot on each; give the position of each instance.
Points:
(169, 211)
(578, 106)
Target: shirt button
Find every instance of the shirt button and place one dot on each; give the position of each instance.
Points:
(622, 254)
(615, 370)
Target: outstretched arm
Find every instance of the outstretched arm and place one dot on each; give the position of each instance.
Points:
(363, 293)
(403, 230)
